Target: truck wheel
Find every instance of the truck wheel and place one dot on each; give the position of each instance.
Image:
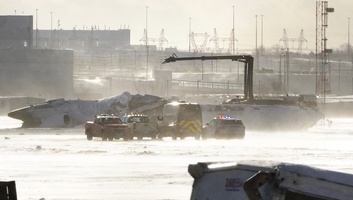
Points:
(217, 135)
(131, 137)
(241, 136)
(160, 136)
(88, 134)
(104, 137)
(204, 136)
(111, 137)
(175, 133)
(126, 135)
(197, 136)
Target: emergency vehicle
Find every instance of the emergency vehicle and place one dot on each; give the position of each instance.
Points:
(225, 127)
(180, 119)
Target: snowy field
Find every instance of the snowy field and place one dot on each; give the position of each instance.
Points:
(60, 164)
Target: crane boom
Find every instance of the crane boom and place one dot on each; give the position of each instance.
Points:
(248, 61)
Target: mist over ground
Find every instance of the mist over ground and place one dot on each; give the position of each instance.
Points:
(42, 159)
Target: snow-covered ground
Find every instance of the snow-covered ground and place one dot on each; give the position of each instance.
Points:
(60, 164)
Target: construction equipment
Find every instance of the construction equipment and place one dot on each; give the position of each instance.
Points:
(248, 61)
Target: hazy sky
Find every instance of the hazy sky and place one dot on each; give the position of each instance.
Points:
(174, 17)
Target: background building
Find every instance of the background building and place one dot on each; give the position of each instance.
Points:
(82, 39)
(25, 71)
(16, 31)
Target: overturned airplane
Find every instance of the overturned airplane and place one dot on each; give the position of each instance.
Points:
(61, 113)
(69, 113)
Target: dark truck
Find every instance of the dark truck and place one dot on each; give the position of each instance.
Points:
(107, 127)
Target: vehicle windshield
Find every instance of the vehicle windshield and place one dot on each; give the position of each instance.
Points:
(228, 122)
(111, 121)
(138, 119)
(190, 112)
(170, 112)
(176, 112)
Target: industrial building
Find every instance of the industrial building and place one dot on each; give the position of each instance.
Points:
(26, 71)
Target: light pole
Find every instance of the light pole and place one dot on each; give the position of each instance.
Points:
(189, 34)
(36, 28)
(262, 34)
(339, 77)
(146, 45)
(256, 33)
(233, 32)
(58, 34)
(256, 50)
(349, 43)
(51, 30)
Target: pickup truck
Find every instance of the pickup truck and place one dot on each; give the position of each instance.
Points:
(107, 127)
(140, 126)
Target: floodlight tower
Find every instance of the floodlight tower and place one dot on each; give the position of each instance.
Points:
(318, 44)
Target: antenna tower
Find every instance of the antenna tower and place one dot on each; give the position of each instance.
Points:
(322, 53)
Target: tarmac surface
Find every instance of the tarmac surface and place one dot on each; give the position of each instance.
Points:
(61, 164)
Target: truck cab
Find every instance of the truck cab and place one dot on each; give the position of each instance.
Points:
(106, 127)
